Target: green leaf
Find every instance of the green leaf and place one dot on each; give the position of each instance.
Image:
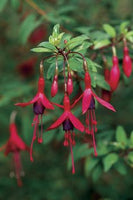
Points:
(2, 4)
(76, 64)
(28, 25)
(56, 29)
(90, 163)
(100, 44)
(123, 27)
(100, 81)
(121, 167)
(47, 45)
(131, 139)
(51, 69)
(121, 136)
(85, 45)
(41, 50)
(129, 36)
(96, 173)
(130, 157)
(110, 30)
(15, 4)
(109, 160)
(74, 42)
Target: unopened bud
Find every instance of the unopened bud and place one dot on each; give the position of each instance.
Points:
(54, 88)
(69, 84)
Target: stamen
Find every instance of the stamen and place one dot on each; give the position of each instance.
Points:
(66, 139)
(34, 136)
(92, 132)
(40, 140)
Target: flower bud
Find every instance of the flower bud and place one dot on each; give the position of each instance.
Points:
(127, 63)
(114, 74)
(54, 88)
(69, 84)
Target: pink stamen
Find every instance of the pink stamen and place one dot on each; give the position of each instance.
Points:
(40, 140)
(34, 137)
(92, 132)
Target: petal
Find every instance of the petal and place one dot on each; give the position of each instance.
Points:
(86, 100)
(104, 103)
(59, 121)
(28, 103)
(76, 123)
(46, 103)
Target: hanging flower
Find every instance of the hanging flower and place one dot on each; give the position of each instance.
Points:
(15, 145)
(40, 102)
(69, 122)
(114, 74)
(127, 63)
(88, 108)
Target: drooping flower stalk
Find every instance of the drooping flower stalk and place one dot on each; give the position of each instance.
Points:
(15, 145)
(69, 122)
(40, 103)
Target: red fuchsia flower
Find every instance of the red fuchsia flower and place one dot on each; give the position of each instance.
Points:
(68, 121)
(54, 88)
(114, 74)
(106, 95)
(40, 102)
(15, 145)
(127, 63)
(69, 84)
(26, 68)
(38, 35)
(88, 108)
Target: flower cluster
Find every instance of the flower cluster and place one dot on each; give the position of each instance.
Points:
(68, 121)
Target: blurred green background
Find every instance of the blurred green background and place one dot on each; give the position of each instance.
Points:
(23, 24)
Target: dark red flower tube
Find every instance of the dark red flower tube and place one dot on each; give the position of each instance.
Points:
(114, 74)
(127, 63)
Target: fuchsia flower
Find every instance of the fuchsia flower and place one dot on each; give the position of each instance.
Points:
(88, 107)
(127, 63)
(114, 74)
(14, 145)
(69, 121)
(40, 102)
(69, 84)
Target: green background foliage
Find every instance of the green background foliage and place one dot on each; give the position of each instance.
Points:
(106, 177)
